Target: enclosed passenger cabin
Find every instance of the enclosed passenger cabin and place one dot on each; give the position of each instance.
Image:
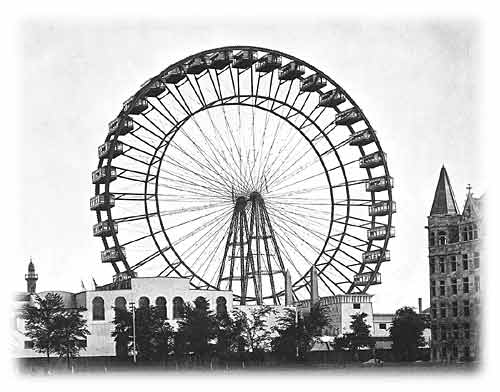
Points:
(382, 208)
(312, 83)
(110, 150)
(374, 256)
(102, 201)
(244, 59)
(362, 138)
(379, 184)
(380, 232)
(104, 229)
(372, 160)
(153, 89)
(127, 124)
(195, 66)
(113, 254)
(174, 76)
(363, 279)
(348, 117)
(137, 107)
(103, 174)
(331, 99)
(268, 63)
(220, 60)
(292, 70)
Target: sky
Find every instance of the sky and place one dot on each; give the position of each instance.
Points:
(416, 80)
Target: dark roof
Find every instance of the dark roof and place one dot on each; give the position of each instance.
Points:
(444, 201)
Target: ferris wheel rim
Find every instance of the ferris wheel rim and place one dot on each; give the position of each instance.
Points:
(114, 139)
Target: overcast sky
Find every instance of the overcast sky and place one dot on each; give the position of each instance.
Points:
(415, 81)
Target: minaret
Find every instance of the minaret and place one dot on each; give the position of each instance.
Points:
(31, 278)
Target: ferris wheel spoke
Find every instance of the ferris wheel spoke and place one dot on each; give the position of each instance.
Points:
(284, 225)
(211, 232)
(173, 124)
(191, 220)
(191, 185)
(210, 181)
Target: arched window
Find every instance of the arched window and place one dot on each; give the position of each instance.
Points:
(144, 302)
(97, 308)
(442, 238)
(178, 307)
(161, 305)
(200, 302)
(120, 303)
(221, 306)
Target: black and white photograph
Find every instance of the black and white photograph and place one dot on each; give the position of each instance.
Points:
(268, 195)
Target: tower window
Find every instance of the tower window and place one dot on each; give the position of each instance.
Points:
(466, 285)
(443, 310)
(441, 288)
(454, 308)
(454, 285)
(441, 265)
(442, 238)
(453, 263)
(465, 262)
(477, 257)
(433, 288)
(466, 307)
(432, 239)
(432, 265)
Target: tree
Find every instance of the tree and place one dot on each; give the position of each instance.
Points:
(154, 336)
(255, 335)
(197, 328)
(359, 337)
(228, 333)
(41, 326)
(299, 335)
(71, 334)
(407, 333)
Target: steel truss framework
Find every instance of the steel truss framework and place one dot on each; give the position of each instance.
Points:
(233, 174)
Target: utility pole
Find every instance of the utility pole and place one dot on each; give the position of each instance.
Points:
(132, 306)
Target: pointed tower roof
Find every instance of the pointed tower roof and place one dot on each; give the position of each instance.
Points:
(444, 201)
(31, 266)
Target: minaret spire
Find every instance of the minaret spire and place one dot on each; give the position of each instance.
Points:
(31, 277)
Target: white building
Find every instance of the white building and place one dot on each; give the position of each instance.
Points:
(98, 308)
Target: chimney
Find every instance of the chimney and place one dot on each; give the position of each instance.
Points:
(288, 289)
(419, 305)
(314, 286)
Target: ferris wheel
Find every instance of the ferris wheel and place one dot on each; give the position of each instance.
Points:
(237, 167)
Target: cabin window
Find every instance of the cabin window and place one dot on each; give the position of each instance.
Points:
(221, 308)
(143, 302)
(161, 306)
(178, 307)
(98, 308)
